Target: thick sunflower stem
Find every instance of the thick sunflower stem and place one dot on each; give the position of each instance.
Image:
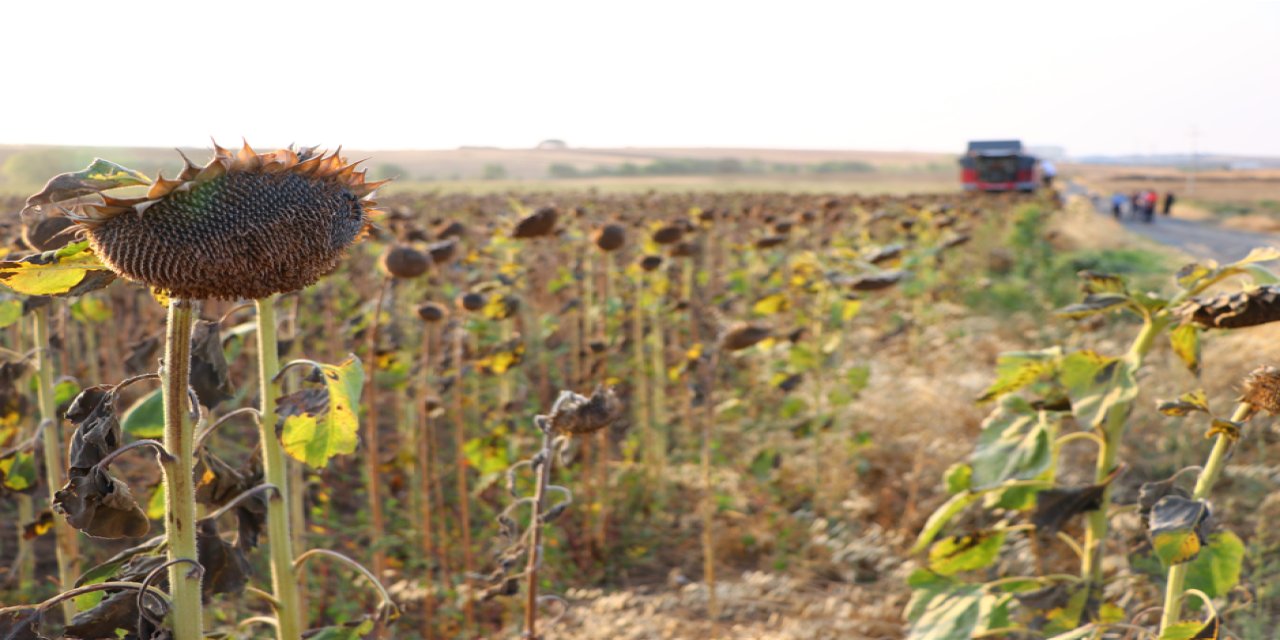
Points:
(180, 503)
(1111, 433)
(275, 466)
(1177, 577)
(68, 547)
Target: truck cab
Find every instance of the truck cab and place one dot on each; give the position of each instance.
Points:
(997, 165)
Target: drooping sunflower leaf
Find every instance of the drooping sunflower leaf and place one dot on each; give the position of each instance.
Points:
(941, 516)
(209, 375)
(101, 175)
(1055, 506)
(1017, 369)
(70, 271)
(1178, 528)
(943, 609)
(97, 431)
(1185, 404)
(101, 506)
(314, 434)
(1097, 384)
(969, 552)
(1014, 445)
(1186, 343)
(1093, 304)
(958, 477)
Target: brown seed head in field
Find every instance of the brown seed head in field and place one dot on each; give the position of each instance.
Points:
(48, 233)
(650, 263)
(1262, 389)
(768, 242)
(451, 229)
(472, 301)
(442, 251)
(537, 224)
(575, 414)
(610, 237)
(877, 281)
(669, 234)
(743, 335)
(246, 225)
(684, 250)
(402, 261)
(1236, 310)
(432, 312)
(885, 253)
(782, 226)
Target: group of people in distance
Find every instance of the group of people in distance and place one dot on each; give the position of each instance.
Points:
(1141, 203)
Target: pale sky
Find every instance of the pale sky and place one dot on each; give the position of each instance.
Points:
(1109, 77)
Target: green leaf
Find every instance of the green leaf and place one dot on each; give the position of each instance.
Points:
(1093, 304)
(69, 271)
(938, 612)
(959, 477)
(941, 516)
(1186, 343)
(145, 417)
(1017, 369)
(155, 504)
(348, 631)
(857, 378)
(1015, 444)
(101, 175)
(1193, 630)
(19, 471)
(1216, 571)
(10, 312)
(1199, 276)
(1096, 384)
(90, 310)
(65, 390)
(971, 552)
(315, 438)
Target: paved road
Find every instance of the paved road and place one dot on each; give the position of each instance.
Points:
(1199, 239)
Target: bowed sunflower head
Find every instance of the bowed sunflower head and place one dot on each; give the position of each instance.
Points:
(245, 225)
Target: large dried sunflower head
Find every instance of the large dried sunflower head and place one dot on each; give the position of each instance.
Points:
(1262, 389)
(1235, 310)
(245, 225)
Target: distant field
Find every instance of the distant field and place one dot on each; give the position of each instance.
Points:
(23, 169)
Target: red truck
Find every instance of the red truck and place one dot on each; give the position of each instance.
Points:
(998, 165)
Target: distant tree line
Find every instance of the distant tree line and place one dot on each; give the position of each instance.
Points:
(702, 167)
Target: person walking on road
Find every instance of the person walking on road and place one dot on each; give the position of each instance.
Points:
(1149, 199)
(1169, 199)
(1047, 173)
(1117, 204)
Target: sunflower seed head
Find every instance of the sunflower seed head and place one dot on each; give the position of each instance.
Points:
(1235, 310)
(1262, 389)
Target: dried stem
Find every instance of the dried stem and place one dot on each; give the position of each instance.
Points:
(373, 450)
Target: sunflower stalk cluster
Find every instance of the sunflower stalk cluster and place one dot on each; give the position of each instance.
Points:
(245, 226)
(1050, 398)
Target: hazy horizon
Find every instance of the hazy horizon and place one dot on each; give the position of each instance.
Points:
(915, 77)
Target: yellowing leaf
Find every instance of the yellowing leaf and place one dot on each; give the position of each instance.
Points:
(315, 437)
(71, 270)
(771, 304)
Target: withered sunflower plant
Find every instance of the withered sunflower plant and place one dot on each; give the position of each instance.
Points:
(245, 226)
